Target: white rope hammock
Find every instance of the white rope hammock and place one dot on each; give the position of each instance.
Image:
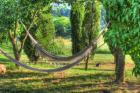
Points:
(47, 54)
(87, 52)
(76, 59)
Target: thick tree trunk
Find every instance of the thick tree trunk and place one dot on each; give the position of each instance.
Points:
(120, 66)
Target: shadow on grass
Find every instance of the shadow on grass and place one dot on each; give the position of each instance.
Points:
(80, 82)
(3, 61)
(20, 74)
(33, 82)
(94, 69)
(66, 85)
(9, 87)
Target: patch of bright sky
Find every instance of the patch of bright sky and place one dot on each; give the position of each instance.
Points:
(64, 5)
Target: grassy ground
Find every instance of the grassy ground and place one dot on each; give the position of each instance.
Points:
(74, 80)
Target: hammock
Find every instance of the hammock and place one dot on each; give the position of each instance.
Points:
(76, 59)
(47, 54)
(86, 53)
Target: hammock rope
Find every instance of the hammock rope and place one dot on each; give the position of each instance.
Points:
(47, 54)
(84, 54)
(49, 70)
(88, 51)
(76, 59)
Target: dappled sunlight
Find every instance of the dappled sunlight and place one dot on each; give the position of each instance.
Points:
(34, 82)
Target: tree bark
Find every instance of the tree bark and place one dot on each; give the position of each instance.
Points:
(86, 62)
(120, 66)
(16, 48)
(17, 57)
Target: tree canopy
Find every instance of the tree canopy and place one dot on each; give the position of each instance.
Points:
(124, 30)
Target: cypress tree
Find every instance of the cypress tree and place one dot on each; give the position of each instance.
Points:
(85, 22)
(77, 16)
(91, 25)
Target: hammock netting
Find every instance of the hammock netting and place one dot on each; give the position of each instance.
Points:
(47, 54)
(73, 60)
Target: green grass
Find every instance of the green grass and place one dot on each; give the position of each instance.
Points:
(76, 79)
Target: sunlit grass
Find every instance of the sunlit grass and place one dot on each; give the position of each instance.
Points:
(76, 79)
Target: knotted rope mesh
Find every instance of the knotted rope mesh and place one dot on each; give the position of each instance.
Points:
(75, 59)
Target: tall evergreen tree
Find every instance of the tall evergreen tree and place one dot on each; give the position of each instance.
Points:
(85, 22)
(77, 16)
(91, 25)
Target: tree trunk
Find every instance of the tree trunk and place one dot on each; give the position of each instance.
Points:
(16, 52)
(120, 66)
(18, 59)
(90, 27)
(15, 48)
(86, 62)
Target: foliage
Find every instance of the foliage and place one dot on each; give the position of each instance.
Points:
(77, 17)
(58, 47)
(46, 29)
(43, 29)
(91, 22)
(8, 14)
(29, 8)
(62, 26)
(3, 37)
(124, 30)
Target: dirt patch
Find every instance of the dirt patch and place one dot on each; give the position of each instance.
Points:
(112, 66)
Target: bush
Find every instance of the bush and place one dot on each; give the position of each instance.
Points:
(57, 47)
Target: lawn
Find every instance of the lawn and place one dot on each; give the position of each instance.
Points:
(74, 80)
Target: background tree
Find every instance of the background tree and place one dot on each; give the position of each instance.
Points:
(91, 25)
(46, 29)
(62, 26)
(85, 22)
